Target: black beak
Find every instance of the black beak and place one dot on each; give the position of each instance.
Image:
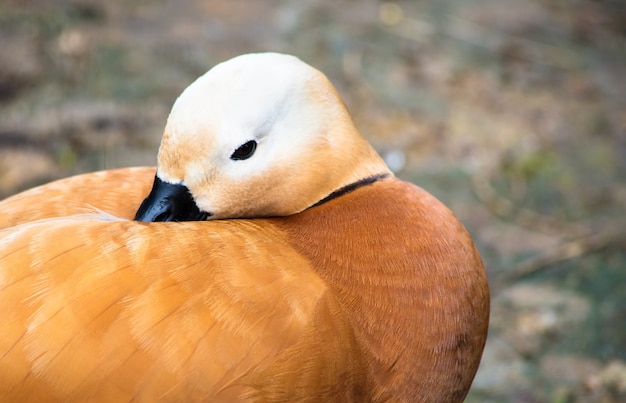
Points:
(169, 202)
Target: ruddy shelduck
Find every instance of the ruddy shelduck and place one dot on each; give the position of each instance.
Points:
(275, 258)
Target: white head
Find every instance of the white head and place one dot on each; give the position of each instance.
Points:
(262, 135)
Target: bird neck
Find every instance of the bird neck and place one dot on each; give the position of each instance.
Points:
(352, 186)
(407, 275)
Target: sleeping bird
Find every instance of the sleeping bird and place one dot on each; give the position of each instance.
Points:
(270, 256)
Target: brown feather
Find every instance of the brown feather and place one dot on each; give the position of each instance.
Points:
(411, 281)
(107, 306)
(340, 302)
(117, 192)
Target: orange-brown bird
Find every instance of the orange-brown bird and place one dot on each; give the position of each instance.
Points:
(275, 258)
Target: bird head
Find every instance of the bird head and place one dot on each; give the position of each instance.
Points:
(256, 136)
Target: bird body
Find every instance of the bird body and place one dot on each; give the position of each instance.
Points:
(359, 287)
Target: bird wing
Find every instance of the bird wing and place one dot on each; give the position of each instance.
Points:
(121, 310)
(117, 192)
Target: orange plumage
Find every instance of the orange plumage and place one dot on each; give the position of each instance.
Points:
(374, 293)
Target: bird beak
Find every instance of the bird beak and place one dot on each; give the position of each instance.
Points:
(169, 202)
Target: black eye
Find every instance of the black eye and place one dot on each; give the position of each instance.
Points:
(244, 151)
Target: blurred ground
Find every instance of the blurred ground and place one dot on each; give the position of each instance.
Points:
(511, 112)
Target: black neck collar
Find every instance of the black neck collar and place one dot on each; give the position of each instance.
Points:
(349, 188)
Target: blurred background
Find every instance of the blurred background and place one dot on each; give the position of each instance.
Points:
(511, 112)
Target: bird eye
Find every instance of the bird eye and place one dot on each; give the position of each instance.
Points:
(244, 151)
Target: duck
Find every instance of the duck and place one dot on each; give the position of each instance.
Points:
(271, 255)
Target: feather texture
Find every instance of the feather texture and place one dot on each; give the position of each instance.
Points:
(109, 309)
(114, 194)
